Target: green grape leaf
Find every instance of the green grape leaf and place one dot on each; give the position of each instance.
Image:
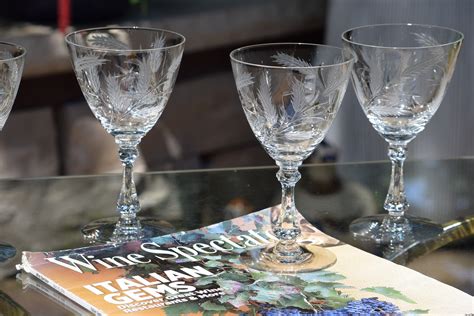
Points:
(213, 264)
(416, 312)
(237, 301)
(324, 289)
(225, 298)
(265, 295)
(295, 300)
(336, 302)
(264, 276)
(206, 280)
(321, 276)
(234, 260)
(389, 292)
(212, 258)
(210, 306)
(230, 286)
(275, 278)
(234, 276)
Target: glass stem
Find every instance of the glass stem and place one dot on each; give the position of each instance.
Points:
(127, 203)
(396, 203)
(128, 227)
(286, 226)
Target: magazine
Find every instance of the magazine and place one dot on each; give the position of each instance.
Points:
(200, 273)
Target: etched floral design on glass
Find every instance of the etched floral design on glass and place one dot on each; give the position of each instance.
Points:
(290, 94)
(400, 78)
(126, 75)
(12, 59)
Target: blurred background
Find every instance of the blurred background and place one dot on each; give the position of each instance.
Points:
(51, 130)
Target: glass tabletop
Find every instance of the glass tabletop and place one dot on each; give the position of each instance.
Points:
(44, 214)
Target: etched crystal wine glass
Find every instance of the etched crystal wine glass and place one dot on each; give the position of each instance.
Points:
(126, 75)
(12, 59)
(290, 94)
(400, 78)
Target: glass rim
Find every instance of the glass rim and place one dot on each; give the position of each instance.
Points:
(428, 26)
(23, 51)
(131, 50)
(237, 50)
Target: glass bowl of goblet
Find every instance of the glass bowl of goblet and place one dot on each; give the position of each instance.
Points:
(126, 75)
(12, 59)
(400, 78)
(290, 94)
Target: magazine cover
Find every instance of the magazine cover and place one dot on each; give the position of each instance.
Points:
(200, 273)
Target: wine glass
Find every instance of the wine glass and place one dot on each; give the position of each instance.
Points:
(12, 59)
(290, 93)
(126, 75)
(400, 78)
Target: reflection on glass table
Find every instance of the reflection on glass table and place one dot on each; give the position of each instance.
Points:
(47, 214)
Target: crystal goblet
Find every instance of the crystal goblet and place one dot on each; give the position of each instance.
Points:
(290, 94)
(126, 75)
(400, 77)
(12, 59)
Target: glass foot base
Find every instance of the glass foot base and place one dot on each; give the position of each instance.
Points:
(386, 229)
(6, 252)
(103, 231)
(315, 258)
